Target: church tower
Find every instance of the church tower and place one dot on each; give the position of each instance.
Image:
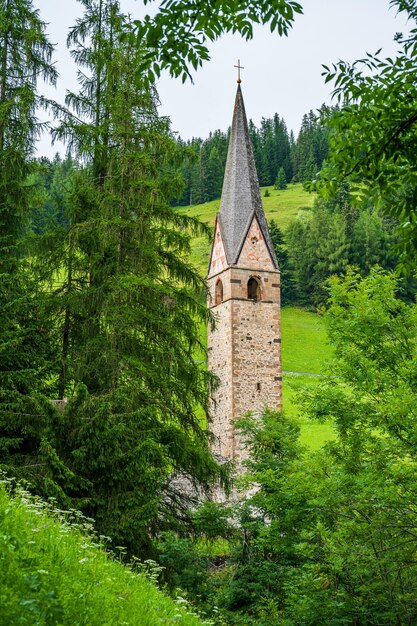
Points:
(244, 349)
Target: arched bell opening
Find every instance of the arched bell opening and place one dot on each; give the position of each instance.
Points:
(218, 293)
(254, 289)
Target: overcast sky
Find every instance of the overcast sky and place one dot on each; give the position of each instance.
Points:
(281, 74)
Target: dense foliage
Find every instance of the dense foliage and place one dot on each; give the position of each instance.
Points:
(26, 349)
(375, 132)
(328, 537)
(337, 235)
(109, 315)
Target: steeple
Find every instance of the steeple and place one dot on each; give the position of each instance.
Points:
(244, 347)
(241, 198)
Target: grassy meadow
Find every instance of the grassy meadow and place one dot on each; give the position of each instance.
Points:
(305, 350)
(55, 573)
(305, 354)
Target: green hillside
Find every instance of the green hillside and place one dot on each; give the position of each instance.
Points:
(305, 353)
(54, 573)
(281, 206)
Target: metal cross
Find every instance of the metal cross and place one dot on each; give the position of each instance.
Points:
(239, 67)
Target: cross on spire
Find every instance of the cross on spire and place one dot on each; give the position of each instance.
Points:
(241, 200)
(239, 67)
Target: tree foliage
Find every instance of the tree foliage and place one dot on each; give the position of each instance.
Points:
(26, 350)
(336, 235)
(128, 304)
(373, 142)
(116, 327)
(25, 57)
(329, 537)
(281, 252)
(193, 23)
(280, 181)
(311, 148)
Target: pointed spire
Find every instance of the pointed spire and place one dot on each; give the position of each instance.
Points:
(241, 198)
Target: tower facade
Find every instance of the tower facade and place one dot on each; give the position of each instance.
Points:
(244, 349)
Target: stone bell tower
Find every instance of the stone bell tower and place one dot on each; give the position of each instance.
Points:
(244, 349)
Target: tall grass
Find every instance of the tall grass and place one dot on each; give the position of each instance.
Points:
(54, 572)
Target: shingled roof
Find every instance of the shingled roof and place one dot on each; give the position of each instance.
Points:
(241, 198)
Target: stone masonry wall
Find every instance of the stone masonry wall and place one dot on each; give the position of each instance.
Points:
(257, 372)
(219, 348)
(245, 352)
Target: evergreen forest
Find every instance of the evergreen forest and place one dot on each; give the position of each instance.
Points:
(104, 390)
(279, 157)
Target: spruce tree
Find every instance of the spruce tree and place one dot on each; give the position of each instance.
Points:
(214, 174)
(25, 341)
(280, 181)
(280, 248)
(134, 318)
(25, 55)
(311, 147)
(282, 146)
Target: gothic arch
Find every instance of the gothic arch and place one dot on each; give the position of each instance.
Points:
(218, 293)
(254, 289)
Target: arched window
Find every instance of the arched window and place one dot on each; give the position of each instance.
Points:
(254, 289)
(218, 294)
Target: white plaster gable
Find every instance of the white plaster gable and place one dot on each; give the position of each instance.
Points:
(218, 261)
(254, 252)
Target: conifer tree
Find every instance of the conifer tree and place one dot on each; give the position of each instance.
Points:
(133, 320)
(25, 56)
(280, 181)
(312, 144)
(25, 346)
(270, 156)
(338, 235)
(214, 174)
(280, 248)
